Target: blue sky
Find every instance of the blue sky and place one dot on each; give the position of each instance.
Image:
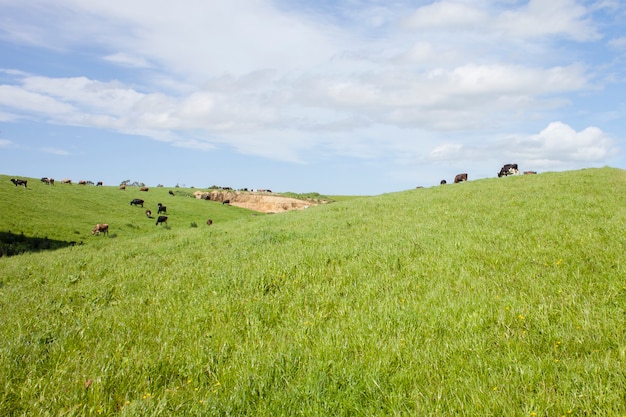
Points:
(336, 97)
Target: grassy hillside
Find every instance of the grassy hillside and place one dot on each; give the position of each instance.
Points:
(498, 297)
(67, 213)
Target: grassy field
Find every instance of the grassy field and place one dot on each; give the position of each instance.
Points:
(496, 297)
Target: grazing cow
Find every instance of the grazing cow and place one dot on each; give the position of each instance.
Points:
(162, 209)
(99, 184)
(137, 202)
(47, 180)
(123, 187)
(460, 178)
(508, 169)
(443, 182)
(18, 182)
(100, 228)
(172, 193)
(529, 172)
(226, 202)
(148, 214)
(144, 189)
(161, 219)
(82, 182)
(209, 222)
(66, 181)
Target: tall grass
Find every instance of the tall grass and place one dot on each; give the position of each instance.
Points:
(494, 297)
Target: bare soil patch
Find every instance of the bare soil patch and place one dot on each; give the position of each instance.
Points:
(262, 202)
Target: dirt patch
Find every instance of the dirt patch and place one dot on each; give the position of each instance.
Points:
(262, 202)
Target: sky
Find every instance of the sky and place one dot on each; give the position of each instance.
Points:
(339, 97)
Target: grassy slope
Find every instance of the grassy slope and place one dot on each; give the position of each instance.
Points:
(69, 212)
(494, 297)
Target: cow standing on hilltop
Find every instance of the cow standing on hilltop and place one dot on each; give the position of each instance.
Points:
(19, 182)
(460, 178)
(508, 169)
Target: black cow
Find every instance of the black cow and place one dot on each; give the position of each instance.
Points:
(19, 182)
(460, 178)
(47, 180)
(161, 219)
(171, 193)
(99, 184)
(148, 214)
(443, 182)
(162, 209)
(137, 202)
(226, 202)
(508, 169)
(209, 222)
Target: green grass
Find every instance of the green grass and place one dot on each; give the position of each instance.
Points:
(496, 297)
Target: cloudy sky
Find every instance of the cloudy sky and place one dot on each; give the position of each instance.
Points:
(329, 96)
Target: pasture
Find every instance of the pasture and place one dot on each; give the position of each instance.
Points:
(495, 297)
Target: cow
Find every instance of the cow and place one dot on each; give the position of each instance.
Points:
(66, 181)
(209, 222)
(99, 184)
(161, 219)
(47, 180)
(162, 209)
(460, 178)
(171, 193)
(529, 172)
(508, 169)
(122, 186)
(144, 189)
(18, 182)
(443, 182)
(226, 202)
(100, 228)
(137, 202)
(82, 182)
(148, 214)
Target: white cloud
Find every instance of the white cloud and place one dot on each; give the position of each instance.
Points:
(111, 97)
(22, 100)
(544, 18)
(619, 43)
(447, 15)
(560, 142)
(128, 60)
(55, 151)
(5, 143)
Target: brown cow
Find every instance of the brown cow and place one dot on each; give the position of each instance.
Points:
(460, 178)
(144, 189)
(529, 172)
(209, 222)
(66, 181)
(82, 182)
(104, 228)
(122, 187)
